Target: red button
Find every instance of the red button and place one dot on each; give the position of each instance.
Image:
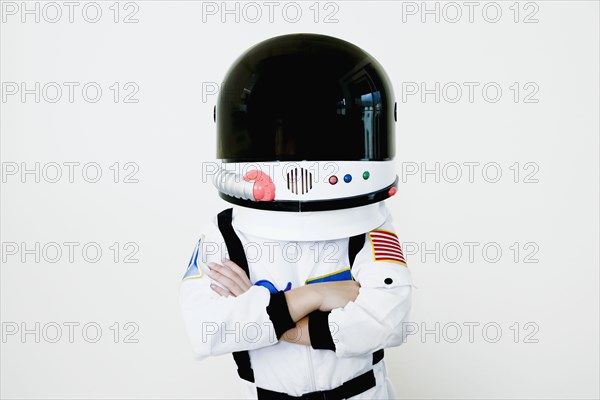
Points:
(392, 191)
(333, 179)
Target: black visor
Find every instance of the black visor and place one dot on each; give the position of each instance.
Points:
(305, 97)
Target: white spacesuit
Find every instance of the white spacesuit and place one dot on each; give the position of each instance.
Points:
(296, 223)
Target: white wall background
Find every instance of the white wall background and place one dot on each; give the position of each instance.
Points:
(169, 54)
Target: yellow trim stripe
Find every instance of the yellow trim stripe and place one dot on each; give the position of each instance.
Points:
(383, 230)
(326, 275)
(393, 261)
(372, 247)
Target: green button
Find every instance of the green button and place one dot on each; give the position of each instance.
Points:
(366, 175)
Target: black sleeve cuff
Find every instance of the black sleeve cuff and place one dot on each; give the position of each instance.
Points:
(319, 332)
(280, 314)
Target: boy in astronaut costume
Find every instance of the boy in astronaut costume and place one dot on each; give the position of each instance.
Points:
(304, 280)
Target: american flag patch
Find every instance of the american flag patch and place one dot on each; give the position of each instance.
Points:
(386, 247)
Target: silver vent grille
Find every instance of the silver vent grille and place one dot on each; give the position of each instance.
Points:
(299, 180)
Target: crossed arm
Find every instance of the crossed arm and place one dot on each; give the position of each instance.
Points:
(301, 301)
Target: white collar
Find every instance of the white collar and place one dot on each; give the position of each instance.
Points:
(309, 226)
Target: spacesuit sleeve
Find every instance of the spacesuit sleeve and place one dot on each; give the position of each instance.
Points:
(219, 325)
(378, 317)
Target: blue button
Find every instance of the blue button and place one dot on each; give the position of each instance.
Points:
(347, 178)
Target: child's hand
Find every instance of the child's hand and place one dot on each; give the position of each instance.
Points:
(231, 277)
(336, 294)
(323, 296)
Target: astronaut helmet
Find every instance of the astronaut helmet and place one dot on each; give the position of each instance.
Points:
(305, 139)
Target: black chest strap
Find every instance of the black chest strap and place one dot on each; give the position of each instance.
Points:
(235, 249)
(355, 245)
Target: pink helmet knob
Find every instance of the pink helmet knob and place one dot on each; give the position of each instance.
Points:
(264, 188)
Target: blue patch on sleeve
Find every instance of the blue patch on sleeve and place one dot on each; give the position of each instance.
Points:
(193, 271)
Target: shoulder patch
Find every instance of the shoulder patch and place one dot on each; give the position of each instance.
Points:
(386, 247)
(193, 271)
